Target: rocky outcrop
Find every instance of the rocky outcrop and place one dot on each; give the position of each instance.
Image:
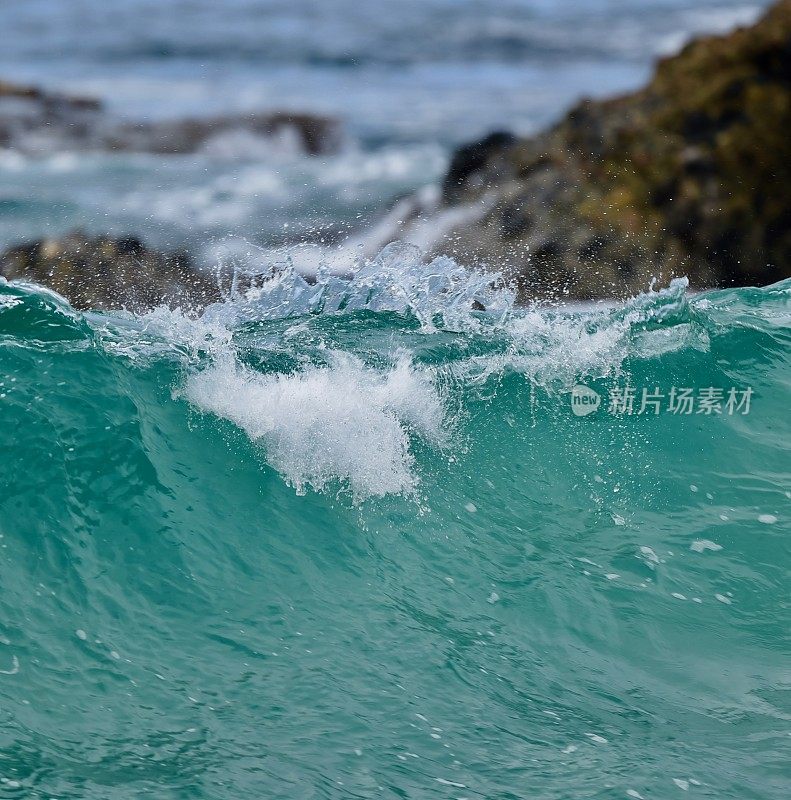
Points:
(689, 176)
(30, 117)
(307, 133)
(35, 121)
(101, 273)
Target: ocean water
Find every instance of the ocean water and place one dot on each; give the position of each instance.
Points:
(409, 80)
(351, 539)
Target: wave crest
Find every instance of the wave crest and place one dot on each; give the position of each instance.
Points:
(398, 279)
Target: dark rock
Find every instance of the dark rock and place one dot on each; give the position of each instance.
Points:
(103, 273)
(311, 134)
(52, 99)
(474, 164)
(689, 176)
(515, 220)
(33, 120)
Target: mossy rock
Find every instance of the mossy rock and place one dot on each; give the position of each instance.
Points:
(689, 176)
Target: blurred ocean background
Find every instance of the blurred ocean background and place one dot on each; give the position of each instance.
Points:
(408, 81)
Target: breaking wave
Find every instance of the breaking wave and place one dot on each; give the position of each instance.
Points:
(346, 535)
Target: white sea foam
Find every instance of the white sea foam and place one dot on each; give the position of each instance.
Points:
(701, 545)
(556, 348)
(343, 421)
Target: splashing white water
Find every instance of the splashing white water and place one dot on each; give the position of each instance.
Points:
(341, 422)
(399, 279)
(556, 348)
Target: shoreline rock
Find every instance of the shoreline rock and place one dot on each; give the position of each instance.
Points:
(307, 133)
(29, 113)
(36, 121)
(100, 273)
(690, 175)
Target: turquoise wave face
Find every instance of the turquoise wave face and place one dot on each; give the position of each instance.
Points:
(355, 540)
